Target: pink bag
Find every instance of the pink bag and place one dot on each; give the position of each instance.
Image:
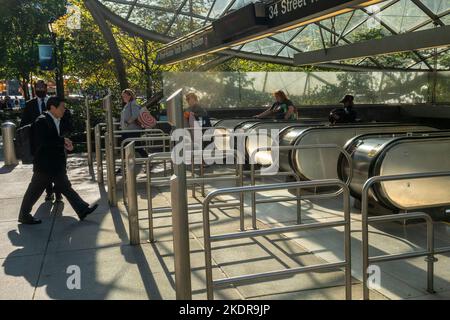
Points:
(145, 119)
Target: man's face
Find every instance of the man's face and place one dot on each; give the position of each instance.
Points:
(58, 112)
(40, 89)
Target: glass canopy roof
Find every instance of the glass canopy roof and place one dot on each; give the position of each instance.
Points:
(175, 18)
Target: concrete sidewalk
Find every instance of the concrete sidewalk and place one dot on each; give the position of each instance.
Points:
(35, 259)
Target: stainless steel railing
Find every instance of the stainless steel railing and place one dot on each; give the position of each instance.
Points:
(428, 253)
(208, 238)
(151, 138)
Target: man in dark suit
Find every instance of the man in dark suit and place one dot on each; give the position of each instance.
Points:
(33, 109)
(49, 164)
(36, 106)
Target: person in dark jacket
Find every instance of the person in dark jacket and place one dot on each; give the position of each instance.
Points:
(36, 106)
(33, 109)
(49, 164)
(346, 114)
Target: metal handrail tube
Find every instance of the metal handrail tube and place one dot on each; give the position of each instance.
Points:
(277, 274)
(198, 206)
(88, 133)
(272, 187)
(399, 256)
(122, 132)
(365, 222)
(441, 250)
(277, 230)
(132, 204)
(98, 154)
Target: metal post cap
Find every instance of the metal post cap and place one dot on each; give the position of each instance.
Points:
(8, 124)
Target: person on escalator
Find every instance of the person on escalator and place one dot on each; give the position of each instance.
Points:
(196, 117)
(346, 114)
(281, 109)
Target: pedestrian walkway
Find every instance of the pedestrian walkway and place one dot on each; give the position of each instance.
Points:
(37, 261)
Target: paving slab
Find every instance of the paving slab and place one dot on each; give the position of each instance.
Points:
(19, 276)
(118, 272)
(96, 231)
(23, 240)
(10, 207)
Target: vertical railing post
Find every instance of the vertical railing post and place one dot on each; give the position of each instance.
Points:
(180, 221)
(110, 159)
(88, 133)
(133, 218)
(98, 153)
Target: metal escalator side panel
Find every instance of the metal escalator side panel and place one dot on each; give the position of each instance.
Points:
(356, 149)
(317, 164)
(414, 155)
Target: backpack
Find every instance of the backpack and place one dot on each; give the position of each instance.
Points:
(24, 144)
(339, 115)
(145, 119)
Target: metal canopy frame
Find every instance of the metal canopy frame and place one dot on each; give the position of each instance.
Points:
(392, 17)
(425, 39)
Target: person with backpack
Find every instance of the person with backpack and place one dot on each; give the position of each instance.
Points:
(346, 114)
(49, 164)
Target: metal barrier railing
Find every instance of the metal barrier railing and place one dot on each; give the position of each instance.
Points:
(193, 181)
(208, 239)
(98, 154)
(133, 218)
(98, 144)
(429, 252)
(294, 174)
(88, 133)
(155, 137)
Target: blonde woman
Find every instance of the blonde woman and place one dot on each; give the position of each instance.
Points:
(282, 109)
(128, 120)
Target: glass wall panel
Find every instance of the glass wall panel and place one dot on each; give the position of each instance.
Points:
(254, 89)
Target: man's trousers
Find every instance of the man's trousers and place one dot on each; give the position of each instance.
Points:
(40, 181)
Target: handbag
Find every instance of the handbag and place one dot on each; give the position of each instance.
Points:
(145, 119)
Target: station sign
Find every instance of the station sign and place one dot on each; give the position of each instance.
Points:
(286, 11)
(251, 22)
(46, 57)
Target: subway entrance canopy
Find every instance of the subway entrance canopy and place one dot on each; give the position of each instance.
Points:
(339, 34)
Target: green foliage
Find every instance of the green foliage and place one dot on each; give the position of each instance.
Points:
(23, 25)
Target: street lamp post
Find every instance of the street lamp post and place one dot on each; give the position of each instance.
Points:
(59, 46)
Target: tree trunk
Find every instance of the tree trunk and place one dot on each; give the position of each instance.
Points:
(24, 84)
(148, 74)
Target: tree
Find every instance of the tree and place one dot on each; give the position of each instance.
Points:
(23, 26)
